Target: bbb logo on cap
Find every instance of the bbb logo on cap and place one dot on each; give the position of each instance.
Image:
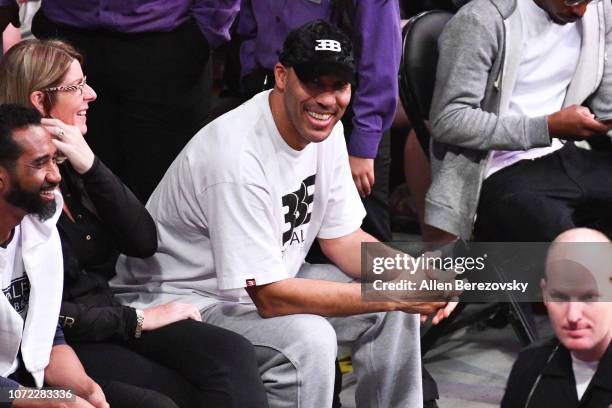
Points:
(328, 45)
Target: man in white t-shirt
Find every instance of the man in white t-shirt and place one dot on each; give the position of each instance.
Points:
(240, 207)
(517, 82)
(575, 368)
(33, 350)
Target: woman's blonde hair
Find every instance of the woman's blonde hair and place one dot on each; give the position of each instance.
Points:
(33, 65)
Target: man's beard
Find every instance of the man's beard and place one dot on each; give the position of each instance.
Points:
(31, 201)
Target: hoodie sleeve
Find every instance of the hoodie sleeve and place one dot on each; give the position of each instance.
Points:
(469, 46)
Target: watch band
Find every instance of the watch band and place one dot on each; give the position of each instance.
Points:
(139, 322)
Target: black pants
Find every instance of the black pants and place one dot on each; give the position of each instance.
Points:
(536, 200)
(193, 363)
(122, 395)
(153, 95)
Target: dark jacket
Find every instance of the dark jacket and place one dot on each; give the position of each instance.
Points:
(556, 387)
(108, 220)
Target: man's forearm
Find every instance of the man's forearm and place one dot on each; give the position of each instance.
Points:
(329, 299)
(345, 252)
(323, 298)
(65, 370)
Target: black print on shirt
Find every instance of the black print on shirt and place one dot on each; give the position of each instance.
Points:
(299, 210)
(18, 293)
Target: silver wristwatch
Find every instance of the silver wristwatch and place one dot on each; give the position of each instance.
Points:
(139, 322)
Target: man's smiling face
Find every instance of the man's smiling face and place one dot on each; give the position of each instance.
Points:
(34, 175)
(315, 107)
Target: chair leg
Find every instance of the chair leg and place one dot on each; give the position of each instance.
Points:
(337, 386)
(522, 321)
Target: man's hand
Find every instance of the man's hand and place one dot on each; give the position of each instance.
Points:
(66, 371)
(442, 314)
(9, 15)
(77, 403)
(437, 302)
(575, 123)
(163, 315)
(422, 308)
(439, 310)
(362, 170)
(82, 403)
(96, 397)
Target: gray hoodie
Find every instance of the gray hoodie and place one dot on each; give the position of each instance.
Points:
(480, 52)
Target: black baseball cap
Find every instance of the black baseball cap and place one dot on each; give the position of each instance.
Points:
(318, 48)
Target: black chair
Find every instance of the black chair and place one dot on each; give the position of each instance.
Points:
(417, 80)
(418, 68)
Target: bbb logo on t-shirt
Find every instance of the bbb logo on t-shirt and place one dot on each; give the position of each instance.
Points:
(298, 211)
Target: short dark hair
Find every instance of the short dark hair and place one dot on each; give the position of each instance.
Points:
(13, 117)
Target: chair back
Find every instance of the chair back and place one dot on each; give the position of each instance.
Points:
(418, 68)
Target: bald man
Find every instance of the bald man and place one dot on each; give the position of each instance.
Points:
(575, 368)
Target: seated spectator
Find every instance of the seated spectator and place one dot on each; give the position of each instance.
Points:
(33, 349)
(504, 115)
(239, 209)
(165, 348)
(575, 368)
(264, 24)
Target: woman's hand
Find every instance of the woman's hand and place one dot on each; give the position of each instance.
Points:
(69, 140)
(163, 315)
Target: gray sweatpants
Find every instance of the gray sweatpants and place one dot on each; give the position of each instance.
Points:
(296, 353)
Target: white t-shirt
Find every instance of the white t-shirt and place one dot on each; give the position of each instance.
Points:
(583, 374)
(550, 55)
(239, 207)
(15, 282)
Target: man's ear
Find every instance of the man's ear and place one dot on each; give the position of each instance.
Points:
(280, 76)
(36, 99)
